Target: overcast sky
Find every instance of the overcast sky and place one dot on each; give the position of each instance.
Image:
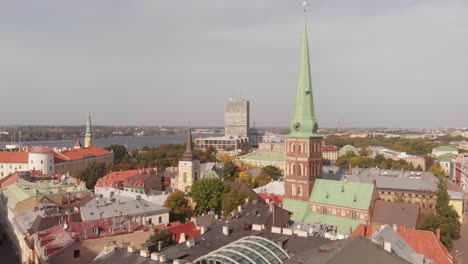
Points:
(392, 63)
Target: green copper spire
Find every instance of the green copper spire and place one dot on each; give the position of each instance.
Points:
(304, 123)
(89, 133)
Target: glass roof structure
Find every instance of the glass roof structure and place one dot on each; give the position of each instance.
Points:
(247, 250)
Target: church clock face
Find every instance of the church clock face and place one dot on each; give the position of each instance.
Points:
(315, 127)
(297, 126)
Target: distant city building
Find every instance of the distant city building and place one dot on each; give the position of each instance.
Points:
(62, 161)
(330, 153)
(236, 117)
(395, 155)
(222, 143)
(441, 150)
(347, 149)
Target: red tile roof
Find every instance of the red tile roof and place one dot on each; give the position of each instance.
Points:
(13, 157)
(77, 154)
(137, 180)
(177, 229)
(271, 197)
(54, 239)
(116, 176)
(422, 241)
(107, 227)
(329, 148)
(4, 182)
(426, 242)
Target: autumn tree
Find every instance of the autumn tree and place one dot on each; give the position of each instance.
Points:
(231, 200)
(178, 204)
(162, 235)
(273, 171)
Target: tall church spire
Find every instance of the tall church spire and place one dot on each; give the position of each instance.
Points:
(304, 123)
(89, 133)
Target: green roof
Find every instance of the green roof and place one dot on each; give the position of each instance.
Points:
(275, 156)
(447, 157)
(342, 193)
(22, 190)
(343, 224)
(445, 148)
(299, 209)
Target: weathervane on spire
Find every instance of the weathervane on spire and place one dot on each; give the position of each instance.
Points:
(304, 4)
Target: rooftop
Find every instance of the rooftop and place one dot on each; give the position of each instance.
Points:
(105, 208)
(445, 148)
(395, 213)
(395, 180)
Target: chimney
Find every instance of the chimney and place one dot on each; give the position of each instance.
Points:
(159, 246)
(202, 230)
(388, 246)
(226, 230)
(190, 243)
(438, 234)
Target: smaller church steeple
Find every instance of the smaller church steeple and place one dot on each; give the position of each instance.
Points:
(89, 133)
(189, 166)
(189, 155)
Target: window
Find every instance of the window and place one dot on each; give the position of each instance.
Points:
(343, 213)
(160, 219)
(324, 211)
(314, 208)
(293, 169)
(2, 166)
(293, 190)
(430, 206)
(299, 191)
(31, 161)
(301, 170)
(42, 162)
(293, 146)
(334, 211)
(76, 253)
(389, 193)
(184, 177)
(353, 215)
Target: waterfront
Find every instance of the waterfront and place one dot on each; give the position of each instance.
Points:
(132, 142)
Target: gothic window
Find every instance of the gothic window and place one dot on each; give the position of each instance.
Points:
(353, 215)
(314, 208)
(334, 211)
(324, 211)
(300, 148)
(293, 169)
(301, 170)
(184, 177)
(293, 190)
(293, 146)
(299, 191)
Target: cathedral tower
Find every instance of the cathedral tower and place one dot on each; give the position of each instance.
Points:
(303, 144)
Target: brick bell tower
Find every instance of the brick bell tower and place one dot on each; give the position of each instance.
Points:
(303, 145)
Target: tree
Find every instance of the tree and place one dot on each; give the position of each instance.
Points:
(208, 155)
(207, 193)
(273, 171)
(244, 176)
(345, 159)
(230, 171)
(445, 217)
(232, 199)
(120, 152)
(178, 204)
(92, 173)
(162, 235)
(262, 179)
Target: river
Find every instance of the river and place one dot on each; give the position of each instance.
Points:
(132, 142)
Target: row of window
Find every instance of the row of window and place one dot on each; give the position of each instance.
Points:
(302, 148)
(296, 191)
(326, 211)
(291, 169)
(406, 194)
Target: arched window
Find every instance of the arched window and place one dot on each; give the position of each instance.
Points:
(293, 169)
(300, 148)
(293, 190)
(184, 177)
(299, 191)
(353, 215)
(293, 147)
(301, 170)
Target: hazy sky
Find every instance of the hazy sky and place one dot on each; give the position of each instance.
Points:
(393, 63)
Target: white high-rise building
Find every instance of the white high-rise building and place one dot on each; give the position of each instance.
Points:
(236, 117)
